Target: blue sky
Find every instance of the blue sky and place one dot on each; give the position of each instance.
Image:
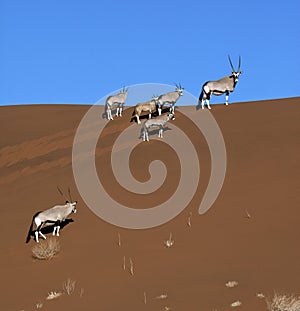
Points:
(75, 51)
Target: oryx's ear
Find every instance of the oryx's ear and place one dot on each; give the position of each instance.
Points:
(67, 202)
(76, 202)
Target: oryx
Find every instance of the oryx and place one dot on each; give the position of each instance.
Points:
(159, 122)
(225, 85)
(149, 106)
(115, 101)
(169, 98)
(54, 215)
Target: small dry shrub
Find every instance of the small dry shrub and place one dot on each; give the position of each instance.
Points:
(283, 303)
(46, 249)
(69, 287)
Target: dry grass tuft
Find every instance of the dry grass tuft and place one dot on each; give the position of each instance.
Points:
(260, 295)
(170, 242)
(69, 287)
(131, 267)
(53, 295)
(39, 305)
(283, 303)
(231, 284)
(236, 304)
(46, 249)
(162, 296)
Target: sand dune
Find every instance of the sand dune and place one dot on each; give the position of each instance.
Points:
(250, 235)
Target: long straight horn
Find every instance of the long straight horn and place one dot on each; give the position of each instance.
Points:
(61, 193)
(231, 64)
(69, 191)
(240, 60)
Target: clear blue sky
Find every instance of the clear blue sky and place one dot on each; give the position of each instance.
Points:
(63, 51)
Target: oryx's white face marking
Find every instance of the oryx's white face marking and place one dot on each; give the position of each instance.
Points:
(179, 91)
(236, 76)
(73, 205)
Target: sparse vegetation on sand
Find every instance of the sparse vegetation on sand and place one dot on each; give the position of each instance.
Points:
(46, 249)
(283, 303)
(69, 287)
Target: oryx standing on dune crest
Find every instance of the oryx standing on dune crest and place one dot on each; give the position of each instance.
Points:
(225, 85)
(159, 122)
(149, 106)
(169, 98)
(54, 215)
(115, 101)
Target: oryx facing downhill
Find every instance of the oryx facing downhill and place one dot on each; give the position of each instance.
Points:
(159, 122)
(52, 216)
(169, 98)
(149, 106)
(115, 101)
(225, 85)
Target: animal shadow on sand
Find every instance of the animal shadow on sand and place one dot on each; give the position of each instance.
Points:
(145, 116)
(49, 228)
(154, 132)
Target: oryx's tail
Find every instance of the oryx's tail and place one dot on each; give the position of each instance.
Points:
(201, 95)
(133, 115)
(31, 226)
(200, 99)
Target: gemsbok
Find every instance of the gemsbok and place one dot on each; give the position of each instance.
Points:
(115, 101)
(225, 85)
(159, 122)
(52, 216)
(169, 99)
(149, 106)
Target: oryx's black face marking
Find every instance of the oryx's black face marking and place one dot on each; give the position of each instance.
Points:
(179, 90)
(73, 205)
(235, 76)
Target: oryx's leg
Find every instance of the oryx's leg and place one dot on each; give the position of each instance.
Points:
(56, 228)
(36, 235)
(39, 225)
(207, 103)
(146, 135)
(110, 114)
(138, 119)
(206, 96)
(117, 114)
(159, 111)
(150, 115)
(121, 110)
(41, 234)
(160, 131)
(226, 98)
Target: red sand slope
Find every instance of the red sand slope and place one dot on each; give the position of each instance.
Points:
(261, 253)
